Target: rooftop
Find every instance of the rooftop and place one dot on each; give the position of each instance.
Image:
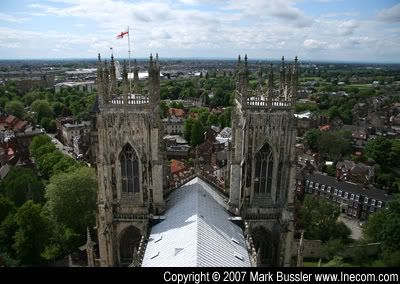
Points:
(349, 187)
(196, 232)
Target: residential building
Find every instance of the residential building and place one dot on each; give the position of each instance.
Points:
(355, 200)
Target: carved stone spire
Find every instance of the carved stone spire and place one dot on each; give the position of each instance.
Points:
(288, 81)
(125, 84)
(270, 82)
(136, 84)
(259, 80)
(99, 80)
(154, 81)
(113, 77)
(243, 81)
(106, 83)
(282, 75)
(295, 78)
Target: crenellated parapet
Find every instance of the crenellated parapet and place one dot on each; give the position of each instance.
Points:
(281, 97)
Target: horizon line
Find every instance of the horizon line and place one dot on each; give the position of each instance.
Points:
(210, 58)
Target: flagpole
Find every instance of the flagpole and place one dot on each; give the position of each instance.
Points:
(129, 61)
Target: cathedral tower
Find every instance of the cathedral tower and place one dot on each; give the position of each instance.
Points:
(262, 160)
(129, 162)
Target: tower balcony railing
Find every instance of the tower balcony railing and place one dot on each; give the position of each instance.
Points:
(133, 99)
(262, 101)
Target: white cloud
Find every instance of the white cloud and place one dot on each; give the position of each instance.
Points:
(314, 44)
(263, 29)
(391, 15)
(347, 27)
(11, 18)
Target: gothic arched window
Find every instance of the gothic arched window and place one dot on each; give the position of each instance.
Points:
(129, 170)
(263, 171)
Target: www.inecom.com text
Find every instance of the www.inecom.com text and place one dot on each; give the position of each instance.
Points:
(278, 276)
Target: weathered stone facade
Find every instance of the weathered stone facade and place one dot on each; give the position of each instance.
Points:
(129, 163)
(131, 171)
(262, 161)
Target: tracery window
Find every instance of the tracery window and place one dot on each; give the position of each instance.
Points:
(263, 171)
(129, 170)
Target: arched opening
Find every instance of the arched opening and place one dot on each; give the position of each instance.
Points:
(129, 170)
(264, 244)
(263, 172)
(128, 242)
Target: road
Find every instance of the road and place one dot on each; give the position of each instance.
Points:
(353, 225)
(60, 146)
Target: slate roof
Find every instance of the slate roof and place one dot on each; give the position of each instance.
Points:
(196, 232)
(349, 187)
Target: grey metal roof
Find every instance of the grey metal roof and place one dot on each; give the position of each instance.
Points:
(196, 232)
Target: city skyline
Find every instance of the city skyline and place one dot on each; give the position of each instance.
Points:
(315, 30)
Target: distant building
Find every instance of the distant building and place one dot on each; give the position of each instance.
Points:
(24, 139)
(87, 86)
(173, 125)
(355, 172)
(28, 83)
(176, 112)
(69, 131)
(354, 199)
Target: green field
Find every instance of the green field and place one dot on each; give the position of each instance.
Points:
(311, 79)
(359, 86)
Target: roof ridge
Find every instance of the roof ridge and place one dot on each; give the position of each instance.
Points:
(196, 182)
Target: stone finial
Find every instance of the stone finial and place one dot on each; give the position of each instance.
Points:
(99, 57)
(88, 237)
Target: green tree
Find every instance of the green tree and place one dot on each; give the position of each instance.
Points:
(197, 135)
(312, 137)
(15, 108)
(47, 162)
(49, 124)
(379, 150)
(72, 199)
(33, 233)
(212, 119)
(335, 144)
(37, 142)
(3, 101)
(318, 217)
(187, 129)
(8, 228)
(22, 184)
(6, 207)
(65, 164)
(43, 150)
(42, 109)
(384, 226)
(58, 108)
(163, 110)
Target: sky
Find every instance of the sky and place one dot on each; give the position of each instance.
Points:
(328, 30)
